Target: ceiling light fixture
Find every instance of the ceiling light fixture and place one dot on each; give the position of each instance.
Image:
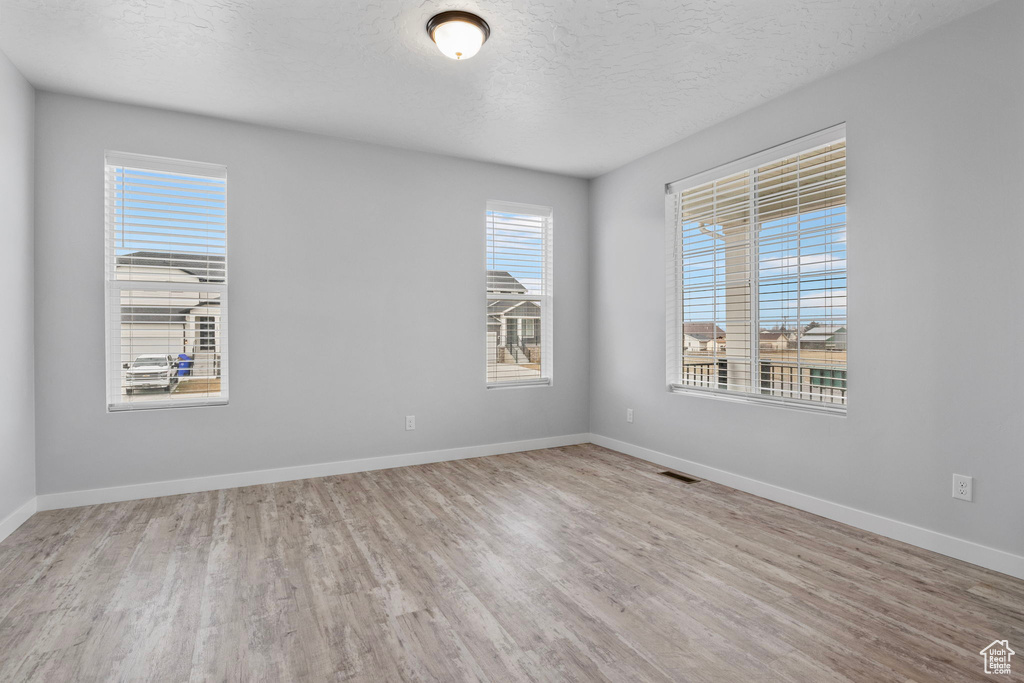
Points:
(458, 35)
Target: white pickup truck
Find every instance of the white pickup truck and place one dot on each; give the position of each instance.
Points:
(156, 371)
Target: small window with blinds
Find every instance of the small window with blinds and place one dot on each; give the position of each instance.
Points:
(757, 276)
(519, 308)
(166, 282)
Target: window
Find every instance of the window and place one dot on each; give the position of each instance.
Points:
(518, 294)
(207, 333)
(757, 285)
(166, 275)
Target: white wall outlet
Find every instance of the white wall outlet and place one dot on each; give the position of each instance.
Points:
(963, 487)
(629, 415)
(410, 423)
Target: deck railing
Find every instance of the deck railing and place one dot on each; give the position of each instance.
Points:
(818, 383)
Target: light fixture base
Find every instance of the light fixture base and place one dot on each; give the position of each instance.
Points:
(458, 15)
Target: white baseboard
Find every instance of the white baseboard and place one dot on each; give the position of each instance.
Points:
(983, 556)
(12, 521)
(114, 494)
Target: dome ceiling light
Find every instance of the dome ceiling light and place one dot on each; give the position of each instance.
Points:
(458, 35)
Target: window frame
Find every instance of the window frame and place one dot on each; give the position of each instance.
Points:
(545, 300)
(113, 287)
(674, 318)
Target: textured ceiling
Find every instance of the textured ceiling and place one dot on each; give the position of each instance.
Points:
(573, 87)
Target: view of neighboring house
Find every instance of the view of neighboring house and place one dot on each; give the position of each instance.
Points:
(809, 364)
(513, 325)
(183, 320)
(702, 337)
(709, 337)
(691, 344)
(776, 340)
(828, 337)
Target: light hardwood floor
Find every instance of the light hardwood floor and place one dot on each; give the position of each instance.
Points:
(566, 564)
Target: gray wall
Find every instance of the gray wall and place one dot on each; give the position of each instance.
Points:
(17, 431)
(936, 204)
(357, 297)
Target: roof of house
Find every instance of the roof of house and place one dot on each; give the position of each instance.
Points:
(703, 331)
(206, 267)
(825, 329)
(502, 281)
(513, 308)
(823, 332)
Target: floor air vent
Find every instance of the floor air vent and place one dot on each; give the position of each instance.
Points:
(686, 479)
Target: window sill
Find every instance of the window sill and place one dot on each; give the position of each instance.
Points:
(788, 404)
(520, 385)
(159, 405)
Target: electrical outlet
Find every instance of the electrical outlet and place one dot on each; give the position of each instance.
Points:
(629, 415)
(963, 487)
(410, 423)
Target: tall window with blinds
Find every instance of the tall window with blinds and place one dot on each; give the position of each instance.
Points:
(519, 301)
(166, 275)
(757, 276)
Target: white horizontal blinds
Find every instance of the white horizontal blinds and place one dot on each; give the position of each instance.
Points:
(166, 266)
(760, 279)
(716, 294)
(518, 293)
(802, 289)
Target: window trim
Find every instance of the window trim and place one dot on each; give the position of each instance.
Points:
(113, 286)
(673, 284)
(545, 300)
